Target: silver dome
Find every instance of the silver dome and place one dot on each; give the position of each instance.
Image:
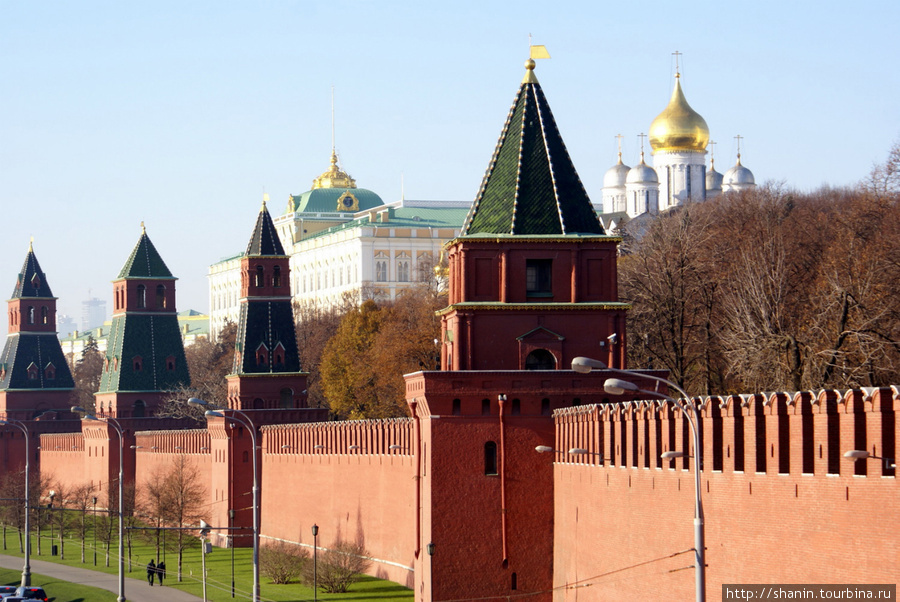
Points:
(714, 180)
(615, 175)
(739, 176)
(642, 174)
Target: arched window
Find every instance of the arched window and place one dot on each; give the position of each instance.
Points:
(161, 296)
(138, 363)
(141, 296)
(540, 359)
(30, 314)
(139, 409)
(381, 271)
(45, 315)
(490, 458)
(262, 355)
(286, 398)
(276, 276)
(50, 371)
(260, 277)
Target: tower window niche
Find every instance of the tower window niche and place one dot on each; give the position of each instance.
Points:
(141, 296)
(161, 297)
(260, 277)
(490, 458)
(538, 277)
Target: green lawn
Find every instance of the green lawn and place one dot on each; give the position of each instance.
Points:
(59, 591)
(218, 573)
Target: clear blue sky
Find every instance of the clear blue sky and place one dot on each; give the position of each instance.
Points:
(180, 113)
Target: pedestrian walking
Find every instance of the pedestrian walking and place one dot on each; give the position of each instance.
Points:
(151, 572)
(161, 571)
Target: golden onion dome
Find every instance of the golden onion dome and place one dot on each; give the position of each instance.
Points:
(679, 127)
(334, 177)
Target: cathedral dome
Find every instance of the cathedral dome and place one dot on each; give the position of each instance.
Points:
(679, 127)
(615, 175)
(642, 174)
(738, 177)
(713, 179)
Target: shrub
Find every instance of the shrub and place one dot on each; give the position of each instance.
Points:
(281, 562)
(339, 566)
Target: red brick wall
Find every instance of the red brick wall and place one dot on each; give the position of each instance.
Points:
(366, 494)
(624, 532)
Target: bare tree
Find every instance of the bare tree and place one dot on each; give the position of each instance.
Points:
(340, 566)
(80, 500)
(182, 498)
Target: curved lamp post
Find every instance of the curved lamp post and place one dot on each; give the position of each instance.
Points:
(118, 428)
(26, 570)
(241, 417)
(615, 386)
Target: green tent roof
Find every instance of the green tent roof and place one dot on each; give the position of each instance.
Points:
(531, 186)
(145, 262)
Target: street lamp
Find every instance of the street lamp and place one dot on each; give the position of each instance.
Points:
(51, 495)
(26, 570)
(315, 532)
(860, 454)
(95, 530)
(118, 428)
(245, 420)
(615, 386)
(231, 541)
(430, 549)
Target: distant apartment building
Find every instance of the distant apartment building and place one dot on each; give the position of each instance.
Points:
(93, 313)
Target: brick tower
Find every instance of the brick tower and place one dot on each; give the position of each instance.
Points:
(266, 373)
(34, 374)
(267, 385)
(145, 353)
(532, 285)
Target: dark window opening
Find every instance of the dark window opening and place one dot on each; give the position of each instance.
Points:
(457, 409)
(276, 276)
(490, 458)
(141, 296)
(139, 409)
(485, 407)
(540, 359)
(286, 398)
(138, 364)
(545, 407)
(516, 407)
(161, 297)
(260, 277)
(515, 582)
(538, 276)
(45, 316)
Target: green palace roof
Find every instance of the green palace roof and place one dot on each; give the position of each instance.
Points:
(325, 200)
(531, 186)
(405, 217)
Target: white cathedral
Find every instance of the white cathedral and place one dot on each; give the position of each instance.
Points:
(679, 137)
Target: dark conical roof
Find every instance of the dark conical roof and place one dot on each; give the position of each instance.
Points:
(531, 186)
(265, 239)
(145, 261)
(31, 281)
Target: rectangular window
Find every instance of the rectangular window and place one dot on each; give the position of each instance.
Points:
(538, 276)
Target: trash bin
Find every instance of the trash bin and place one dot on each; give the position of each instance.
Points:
(54, 550)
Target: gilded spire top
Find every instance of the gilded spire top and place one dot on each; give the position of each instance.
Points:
(31, 245)
(143, 228)
(265, 200)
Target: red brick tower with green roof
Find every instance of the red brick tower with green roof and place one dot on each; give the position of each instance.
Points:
(34, 374)
(145, 353)
(533, 275)
(267, 373)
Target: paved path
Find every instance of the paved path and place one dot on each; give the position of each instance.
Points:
(136, 590)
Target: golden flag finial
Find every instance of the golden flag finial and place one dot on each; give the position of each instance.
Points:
(265, 200)
(31, 245)
(143, 228)
(539, 51)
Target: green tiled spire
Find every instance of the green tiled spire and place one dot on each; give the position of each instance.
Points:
(531, 186)
(32, 282)
(144, 261)
(264, 240)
